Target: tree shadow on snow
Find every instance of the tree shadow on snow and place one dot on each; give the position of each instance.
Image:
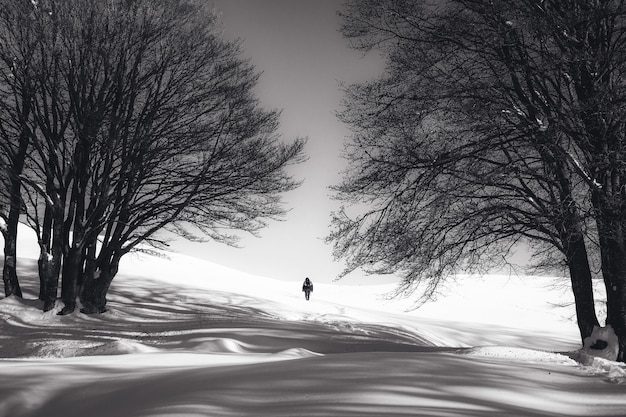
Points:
(426, 384)
(181, 319)
(367, 370)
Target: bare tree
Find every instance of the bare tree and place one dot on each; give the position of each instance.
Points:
(479, 135)
(144, 120)
(16, 90)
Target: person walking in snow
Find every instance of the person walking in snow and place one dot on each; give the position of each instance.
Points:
(307, 287)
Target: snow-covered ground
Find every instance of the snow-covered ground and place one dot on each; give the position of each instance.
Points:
(183, 337)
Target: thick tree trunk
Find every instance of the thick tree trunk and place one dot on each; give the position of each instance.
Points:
(9, 271)
(90, 264)
(72, 270)
(614, 271)
(51, 282)
(582, 286)
(54, 267)
(44, 253)
(616, 316)
(43, 265)
(96, 287)
(17, 161)
(573, 241)
(607, 202)
(74, 262)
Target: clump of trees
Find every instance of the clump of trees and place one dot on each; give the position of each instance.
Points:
(120, 119)
(494, 123)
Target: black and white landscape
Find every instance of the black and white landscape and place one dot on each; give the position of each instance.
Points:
(183, 337)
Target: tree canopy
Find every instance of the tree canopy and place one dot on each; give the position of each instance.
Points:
(142, 119)
(494, 122)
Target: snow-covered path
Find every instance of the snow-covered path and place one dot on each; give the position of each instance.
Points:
(221, 343)
(348, 384)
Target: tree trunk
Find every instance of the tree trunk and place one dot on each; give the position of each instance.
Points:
(614, 271)
(90, 264)
(96, 287)
(582, 286)
(51, 281)
(43, 265)
(607, 202)
(9, 271)
(74, 262)
(54, 267)
(72, 270)
(44, 253)
(17, 161)
(573, 241)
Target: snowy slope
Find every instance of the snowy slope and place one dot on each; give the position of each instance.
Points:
(184, 337)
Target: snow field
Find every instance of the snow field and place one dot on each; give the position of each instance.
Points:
(184, 337)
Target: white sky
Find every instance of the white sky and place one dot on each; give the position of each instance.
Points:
(303, 57)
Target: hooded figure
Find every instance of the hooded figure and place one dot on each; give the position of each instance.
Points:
(307, 287)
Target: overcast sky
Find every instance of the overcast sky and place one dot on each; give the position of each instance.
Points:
(303, 57)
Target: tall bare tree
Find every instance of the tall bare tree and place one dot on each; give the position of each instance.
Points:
(494, 122)
(144, 120)
(16, 90)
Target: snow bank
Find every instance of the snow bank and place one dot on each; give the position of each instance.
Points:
(613, 372)
(602, 343)
(529, 355)
(599, 353)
